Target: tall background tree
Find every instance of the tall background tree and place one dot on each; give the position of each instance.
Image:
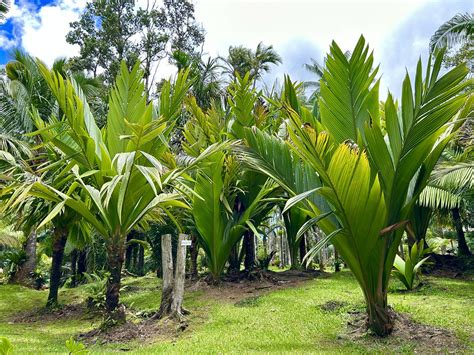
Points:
(110, 31)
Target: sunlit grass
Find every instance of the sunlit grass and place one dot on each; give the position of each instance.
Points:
(283, 320)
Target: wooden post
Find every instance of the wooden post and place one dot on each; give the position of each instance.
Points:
(179, 276)
(167, 265)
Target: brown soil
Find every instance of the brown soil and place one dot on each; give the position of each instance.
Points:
(425, 338)
(146, 331)
(451, 266)
(332, 306)
(72, 311)
(236, 291)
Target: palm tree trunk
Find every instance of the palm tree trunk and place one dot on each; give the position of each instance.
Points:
(59, 242)
(249, 243)
(234, 260)
(81, 265)
(379, 318)
(337, 264)
(302, 250)
(115, 259)
(140, 269)
(74, 257)
(24, 274)
(463, 249)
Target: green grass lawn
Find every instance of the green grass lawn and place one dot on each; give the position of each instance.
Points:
(284, 320)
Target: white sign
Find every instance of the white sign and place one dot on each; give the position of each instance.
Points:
(186, 243)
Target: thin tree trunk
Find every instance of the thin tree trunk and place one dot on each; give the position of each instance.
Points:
(234, 260)
(74, 257)
(140, 269)
(59, 242)
(337, 264)
(115, 259)
(81, 265)
(179, 276)
(167, 288)
(24, 275)
(249, 243)
(194, 251)
(463, 249)
(302, 251)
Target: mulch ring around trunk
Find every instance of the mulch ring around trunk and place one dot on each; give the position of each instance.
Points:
(144, 331)
(72, 311)
(424, 338)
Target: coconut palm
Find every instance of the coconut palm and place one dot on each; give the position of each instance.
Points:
(370, 180)
(459, 29)
(242, 60)
(127, 170)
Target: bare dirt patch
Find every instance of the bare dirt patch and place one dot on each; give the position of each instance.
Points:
(240, 288)
(333, 306)
(425, 338)
(72, 311)
(145, 331)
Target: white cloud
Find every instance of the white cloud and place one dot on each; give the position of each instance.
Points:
(7, 43)
(42, 33)
(398, 30)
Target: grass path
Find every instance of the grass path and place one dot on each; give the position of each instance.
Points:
(285, 320)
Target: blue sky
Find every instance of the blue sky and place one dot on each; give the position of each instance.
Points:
(398, 30)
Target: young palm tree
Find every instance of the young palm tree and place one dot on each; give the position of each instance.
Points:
(125, 170)
(370, 180)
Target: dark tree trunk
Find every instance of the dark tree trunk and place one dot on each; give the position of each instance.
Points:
(140, 268)
(380, 321)
(249, 243)
(337, 264)
(129, 252)
(59, 242)
(24, 275)
(74, 257)
(194, 251)
(302, 251)
(115, 259)
(463, 249)
(234, 260)
(81, 265)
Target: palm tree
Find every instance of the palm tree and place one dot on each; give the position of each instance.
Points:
(4, 8)
(450, 189)
(242, 60)
(370, 180)
(125, 170)
(459, 29)
(317, 70)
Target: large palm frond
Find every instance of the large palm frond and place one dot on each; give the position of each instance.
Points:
(459, 29)
(4, 8)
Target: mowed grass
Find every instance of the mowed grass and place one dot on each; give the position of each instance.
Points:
(281, 321)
